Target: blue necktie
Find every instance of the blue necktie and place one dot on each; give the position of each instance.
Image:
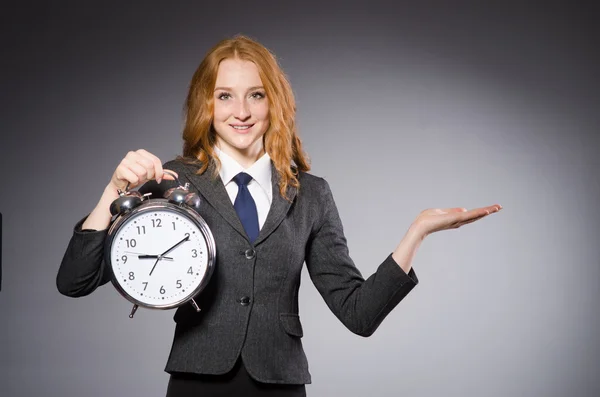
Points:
(245, 207)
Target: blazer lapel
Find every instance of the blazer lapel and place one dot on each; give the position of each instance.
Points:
(279, 207)
(213, 190)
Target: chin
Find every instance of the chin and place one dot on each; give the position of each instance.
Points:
(247, 145)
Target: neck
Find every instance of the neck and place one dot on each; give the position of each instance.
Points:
(245, 157)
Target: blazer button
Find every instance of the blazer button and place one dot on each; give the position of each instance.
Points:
(245, 301)
(250, 253)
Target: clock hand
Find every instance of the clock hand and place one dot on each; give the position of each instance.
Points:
(157, 259)
(167, 258)
(144, 256)
(186, 238)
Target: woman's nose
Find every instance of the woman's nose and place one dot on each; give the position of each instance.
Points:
(242, 111)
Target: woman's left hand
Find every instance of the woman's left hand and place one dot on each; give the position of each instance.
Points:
(433, 220)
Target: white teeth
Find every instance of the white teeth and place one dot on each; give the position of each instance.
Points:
(241, 127)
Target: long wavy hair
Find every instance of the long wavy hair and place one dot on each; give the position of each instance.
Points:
(281, 141)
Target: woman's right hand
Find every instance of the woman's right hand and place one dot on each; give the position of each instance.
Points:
(137, 168)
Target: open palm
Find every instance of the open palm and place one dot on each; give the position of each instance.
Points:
(436, 219)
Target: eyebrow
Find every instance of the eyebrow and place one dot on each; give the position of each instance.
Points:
(249, 89)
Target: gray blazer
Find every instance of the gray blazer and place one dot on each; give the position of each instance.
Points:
(250, 307)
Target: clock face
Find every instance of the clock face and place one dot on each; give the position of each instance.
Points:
(159, 257)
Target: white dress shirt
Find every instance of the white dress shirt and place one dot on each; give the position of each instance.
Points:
(260, 186)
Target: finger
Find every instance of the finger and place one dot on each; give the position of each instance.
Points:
(472, 220)
(476, 212)
(444, 211)
(493, 208)
(140, 170)
(145, 161)
(170, 177)
(456, 220)
(126, 172)
(148, 165)
(156, 163)
(126, 176)
(142, 167)
(455, 209)
(488, 211)
(133, 158)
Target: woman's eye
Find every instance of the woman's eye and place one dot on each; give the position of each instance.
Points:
(257, 95)
(224, 96)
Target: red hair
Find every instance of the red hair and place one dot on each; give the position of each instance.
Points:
(280, 140)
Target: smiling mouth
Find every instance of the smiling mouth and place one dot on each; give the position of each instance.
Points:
(241, 127)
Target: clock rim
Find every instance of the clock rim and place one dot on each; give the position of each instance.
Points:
(182, 209)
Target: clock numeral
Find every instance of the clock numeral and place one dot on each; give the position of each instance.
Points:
(173, 225)
(190, 271)
(124, 258)
(179, 285)
(145, 285)
(162, 290)
(131, 276)
(156, 222)
(131, 243)
(194, 253)
(141, 229)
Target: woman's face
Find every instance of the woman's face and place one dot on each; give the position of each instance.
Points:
(241, 109)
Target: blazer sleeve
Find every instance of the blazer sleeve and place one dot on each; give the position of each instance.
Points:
(361, 305)
(83, 269)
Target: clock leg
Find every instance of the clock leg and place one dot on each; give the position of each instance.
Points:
(133, 311)
(193, 302)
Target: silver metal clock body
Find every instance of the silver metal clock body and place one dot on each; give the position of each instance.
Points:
(160, 254)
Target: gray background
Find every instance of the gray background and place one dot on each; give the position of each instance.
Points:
(401, 107)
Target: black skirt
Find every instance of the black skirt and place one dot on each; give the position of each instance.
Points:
(235, 383)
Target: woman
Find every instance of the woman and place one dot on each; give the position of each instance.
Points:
(240, 143)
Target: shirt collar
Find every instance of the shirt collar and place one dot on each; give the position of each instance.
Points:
(260, 171)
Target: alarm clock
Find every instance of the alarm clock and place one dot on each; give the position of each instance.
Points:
(160, 251)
